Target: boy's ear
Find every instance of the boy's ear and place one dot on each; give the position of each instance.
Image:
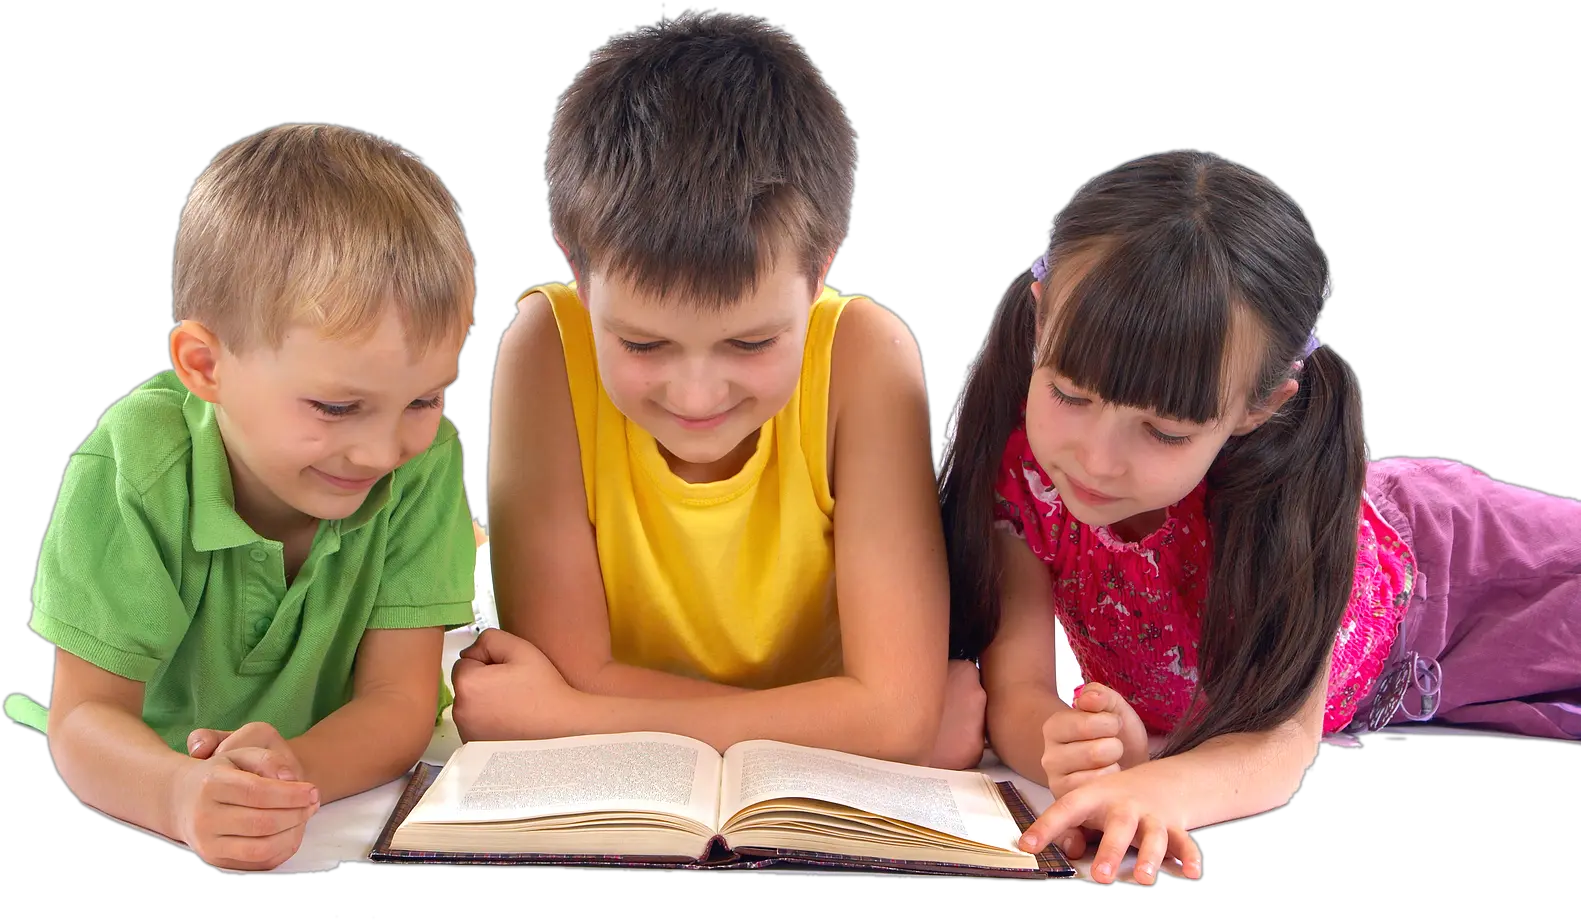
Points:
(576, 271)
(195, 355)
(1273, 404)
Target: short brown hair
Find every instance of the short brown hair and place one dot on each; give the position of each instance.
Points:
(686, 153)
(325, 225)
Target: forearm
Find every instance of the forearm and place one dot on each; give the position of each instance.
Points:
(1236, 775)
(1015, 727)
(112, 761)
(838, 713)
(618, 679)
(371, 740)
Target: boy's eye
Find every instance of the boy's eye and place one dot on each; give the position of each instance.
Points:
(639, 348)
(754, 347)
(333, 410)
(430, 403)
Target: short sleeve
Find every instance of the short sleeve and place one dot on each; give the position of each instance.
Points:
(106, 588)
(1010, 494)
(431, 550)
(1025, 503)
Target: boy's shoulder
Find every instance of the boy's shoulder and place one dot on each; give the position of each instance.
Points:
(144, 434)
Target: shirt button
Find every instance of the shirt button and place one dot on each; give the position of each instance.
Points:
(261, 626)
(258, 555)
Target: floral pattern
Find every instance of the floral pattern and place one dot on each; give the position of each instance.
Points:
(1131, 610)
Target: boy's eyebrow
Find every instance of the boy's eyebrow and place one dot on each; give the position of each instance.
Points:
(767, 327)
(354, 392)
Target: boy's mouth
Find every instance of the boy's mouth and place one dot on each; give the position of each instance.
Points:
(348, 485)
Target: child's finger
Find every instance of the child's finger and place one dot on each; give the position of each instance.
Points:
(243, 787)
(1150, 849)
(1075, 725)
(1184, 848)
(1066, 814)
(241, 821)
(1096, 697)
(266, 762)
(257, 852)
(203, 742)
(1081, 756)
(1118, 833)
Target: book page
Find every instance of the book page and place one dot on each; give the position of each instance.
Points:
(961, 804)
(513, 780)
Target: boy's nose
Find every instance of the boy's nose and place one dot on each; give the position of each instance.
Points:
(376, 457)
(697, 397)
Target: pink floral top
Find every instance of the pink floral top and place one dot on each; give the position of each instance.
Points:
(1130, 610)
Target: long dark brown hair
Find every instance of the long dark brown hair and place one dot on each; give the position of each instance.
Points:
(1173, 245)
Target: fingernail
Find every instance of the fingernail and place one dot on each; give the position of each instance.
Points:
(1145, 869)
(1028, 842)
(1101, 870)
(313, 796)
(195, 746)
(288, 776)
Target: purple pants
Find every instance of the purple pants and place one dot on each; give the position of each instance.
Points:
(1492, 636)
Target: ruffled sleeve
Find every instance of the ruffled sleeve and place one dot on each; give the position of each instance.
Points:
(1024, 500)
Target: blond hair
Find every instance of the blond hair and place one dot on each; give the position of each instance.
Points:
(326, 226)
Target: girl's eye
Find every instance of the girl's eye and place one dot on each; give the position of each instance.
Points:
(639, 348)
(1066, 398)
(1173, 440)
(754, 347)
(433, 403)
(333, 410)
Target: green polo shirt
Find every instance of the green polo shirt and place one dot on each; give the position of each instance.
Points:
(148, 572)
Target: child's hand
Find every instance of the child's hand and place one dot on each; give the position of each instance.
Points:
(498, 673)
(1098, 735)
(278, 760)
(1126, 809)
(235, 816)
(960, 742)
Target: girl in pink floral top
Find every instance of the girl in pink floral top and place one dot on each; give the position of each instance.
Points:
(1154, 450)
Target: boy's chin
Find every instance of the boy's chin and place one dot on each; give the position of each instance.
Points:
(328, 507)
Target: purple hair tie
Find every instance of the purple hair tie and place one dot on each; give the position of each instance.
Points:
(1040, 268)
(1311, 346)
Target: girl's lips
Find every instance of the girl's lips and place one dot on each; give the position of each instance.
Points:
(1089, 496)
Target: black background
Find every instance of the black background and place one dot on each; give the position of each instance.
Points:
(971, 136)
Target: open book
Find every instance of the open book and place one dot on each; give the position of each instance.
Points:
(661, 800)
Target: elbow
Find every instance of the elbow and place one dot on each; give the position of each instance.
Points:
(909, 733)
(911, 744)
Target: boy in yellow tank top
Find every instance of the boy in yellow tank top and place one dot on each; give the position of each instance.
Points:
(672, 436)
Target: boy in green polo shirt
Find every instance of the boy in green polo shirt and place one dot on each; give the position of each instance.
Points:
(254, 555)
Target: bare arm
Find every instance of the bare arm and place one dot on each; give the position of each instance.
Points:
(547, 583)
(388, 722)
(1244, 773)
(892, 590)
(1018, 666)
(105, 752)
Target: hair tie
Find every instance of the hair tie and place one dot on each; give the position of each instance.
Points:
(1040, 268)
(1306, 352)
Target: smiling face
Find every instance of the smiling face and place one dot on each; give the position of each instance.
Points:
(310, 427)
(702, 381)
(1123, 465)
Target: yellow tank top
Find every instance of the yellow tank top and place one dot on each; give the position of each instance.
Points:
(729, 581)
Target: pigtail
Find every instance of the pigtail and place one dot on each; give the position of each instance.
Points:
(988, 410)
(1283, 504)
